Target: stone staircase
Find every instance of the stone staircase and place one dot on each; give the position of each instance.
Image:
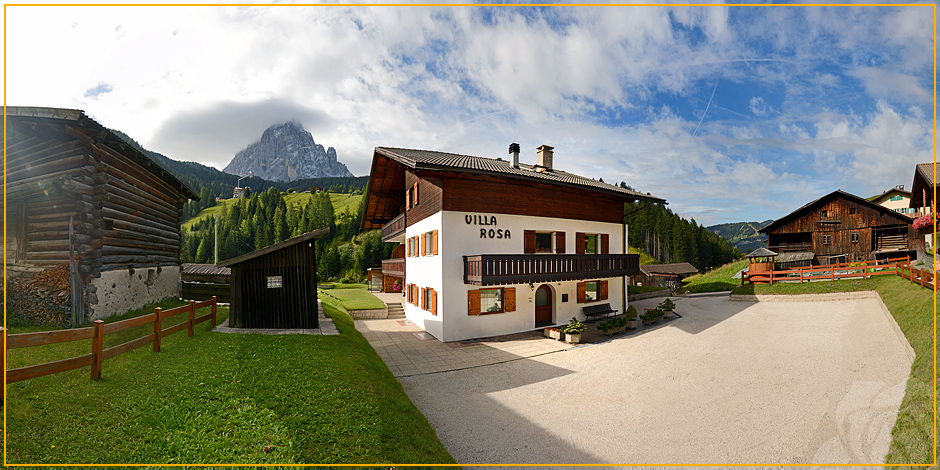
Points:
(395, 310)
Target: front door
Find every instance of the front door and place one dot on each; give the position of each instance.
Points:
(543, 306)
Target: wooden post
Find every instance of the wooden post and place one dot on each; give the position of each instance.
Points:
(75, 286)
(192, 316)
(213, 310)
(921, 277)
(97, 345)
(3, 357)
(156, 328)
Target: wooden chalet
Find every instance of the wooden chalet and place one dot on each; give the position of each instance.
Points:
(491, 246)
(840, 227)
(922, 190)
(73, 185)
(275, 287)
(664, 275)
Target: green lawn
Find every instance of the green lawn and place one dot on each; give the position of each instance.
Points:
(716, 280)
(353, 297)
(219, 398)
(913, 309)
(645, 258)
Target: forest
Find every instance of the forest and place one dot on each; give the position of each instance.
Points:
(265, 218)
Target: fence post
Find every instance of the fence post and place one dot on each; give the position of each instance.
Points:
(156, 328)
(97, 344)
(3, 359)
(801, 275)
(213, 310)
(192, 316)
(921, 277)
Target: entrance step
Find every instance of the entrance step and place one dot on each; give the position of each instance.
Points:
(395, 310)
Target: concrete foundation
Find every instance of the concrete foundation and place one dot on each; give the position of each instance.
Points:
(121, 290)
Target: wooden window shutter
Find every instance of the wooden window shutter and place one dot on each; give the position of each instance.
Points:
(579, 243)
(414, 294)
(422, 251)
(582, 288)
(603, 295)
(408, 249)
(605, 243)
(415, 193)
(473, 302)
(408, 199)
(423, 303)
(509, 299)
(434, 242)
(433, 301)
(529, 241)
(559, 242)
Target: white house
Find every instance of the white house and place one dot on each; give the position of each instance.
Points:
(492, 246)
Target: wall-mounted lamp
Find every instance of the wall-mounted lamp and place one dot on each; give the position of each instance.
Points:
(531, 286)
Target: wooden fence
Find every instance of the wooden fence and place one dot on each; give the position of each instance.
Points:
(96, 333)
(830, 272)
(924, 277)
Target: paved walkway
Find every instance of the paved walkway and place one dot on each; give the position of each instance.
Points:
(769, 383)
(408, 350)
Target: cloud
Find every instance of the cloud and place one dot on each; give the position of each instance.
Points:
(760, 107)
(890, 84)
(214, 133)
(100, 89)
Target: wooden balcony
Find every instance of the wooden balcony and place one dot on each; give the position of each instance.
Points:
(394, 228)
(393, 267)
(791, 248)
(493, 270)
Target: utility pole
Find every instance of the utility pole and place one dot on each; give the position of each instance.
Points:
(217, 239)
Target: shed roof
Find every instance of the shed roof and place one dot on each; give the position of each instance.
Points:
(794, 257)
(675, 268)
(835, 194)
(312, 235)
(206, 269)
(759, 253)
(90, 129)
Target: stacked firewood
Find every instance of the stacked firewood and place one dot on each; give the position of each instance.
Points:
(43, 298)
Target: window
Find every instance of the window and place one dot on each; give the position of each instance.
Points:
(426, 301)
(412, 250)
(851, 210)
(543, 242)
(429, 241)
(825, 213)
(854, 237)
(491, 300)
(591, 291)
(590, 244)
(827, 239)
(897, 198)
(275, 282)
(411, 196)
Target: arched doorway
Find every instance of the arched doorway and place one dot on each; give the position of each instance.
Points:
(543, 306)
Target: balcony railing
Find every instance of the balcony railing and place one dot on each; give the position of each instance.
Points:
(492, 270)
(394, 227)
(393, 267)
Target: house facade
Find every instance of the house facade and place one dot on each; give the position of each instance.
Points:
(896, 199)
(78, 195)
(492, 246)
(843, 228)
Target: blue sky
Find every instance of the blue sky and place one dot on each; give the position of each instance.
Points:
(729, 113)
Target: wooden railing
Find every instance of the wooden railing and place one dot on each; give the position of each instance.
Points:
(96, 333)
(394, 227)
(490, 270)
(924, 277)
(829, 272)
(393, 267)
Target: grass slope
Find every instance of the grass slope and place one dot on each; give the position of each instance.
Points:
(645, 258)
(353, 297)
(716, 280)
(913, 309)
(296, 200)
(219, 398)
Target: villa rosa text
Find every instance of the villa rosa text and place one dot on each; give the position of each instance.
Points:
(496, 233)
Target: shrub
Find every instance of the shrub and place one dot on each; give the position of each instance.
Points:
(652, 315)
(631, 313)
(574, 327)
(667, 304)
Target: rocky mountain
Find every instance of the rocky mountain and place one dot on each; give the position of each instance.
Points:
(743, 235)
(286, 153)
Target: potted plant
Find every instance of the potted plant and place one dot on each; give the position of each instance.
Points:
(630, 317)
(613, 326)
(651, 316)
(573, 331)
(667, 307)
(556, 333)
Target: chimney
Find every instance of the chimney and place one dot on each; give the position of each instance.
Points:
(900, 186)
(514, 151)
(545, 156)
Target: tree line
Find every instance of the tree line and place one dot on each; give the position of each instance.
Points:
(265, 218)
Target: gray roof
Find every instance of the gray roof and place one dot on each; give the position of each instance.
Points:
(794, 257)
(760, 252)
(312, 235)
(443, 161)
(206, 269)
(675, 268)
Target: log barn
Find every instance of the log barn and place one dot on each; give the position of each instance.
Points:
(490, 246)
(71, 184)
(843, 228)
(275, 287)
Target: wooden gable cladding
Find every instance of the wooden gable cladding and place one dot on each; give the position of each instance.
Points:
(385, 197)
(427, 192)
(474, 193)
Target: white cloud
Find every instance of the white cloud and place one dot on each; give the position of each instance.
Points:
(760, 107)
(890, 84)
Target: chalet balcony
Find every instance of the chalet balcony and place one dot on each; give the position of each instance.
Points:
(791, 248)
(393, 267)
(394, 230)
(493, 270)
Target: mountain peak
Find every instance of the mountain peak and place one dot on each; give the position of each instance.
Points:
(287, 152)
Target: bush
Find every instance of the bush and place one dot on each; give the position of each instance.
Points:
(652, 315)
(667, 305)
(631, 313)
(574, 327)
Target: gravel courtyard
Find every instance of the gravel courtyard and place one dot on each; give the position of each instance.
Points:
(783, 382)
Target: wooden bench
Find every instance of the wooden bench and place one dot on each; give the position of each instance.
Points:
(595, 310)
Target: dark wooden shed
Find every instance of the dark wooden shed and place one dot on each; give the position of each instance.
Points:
(275, 287)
